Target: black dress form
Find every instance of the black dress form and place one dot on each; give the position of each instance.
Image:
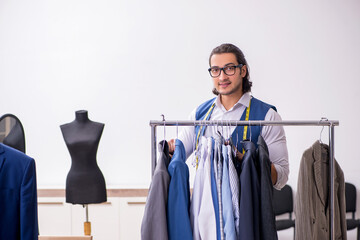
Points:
(85, 183)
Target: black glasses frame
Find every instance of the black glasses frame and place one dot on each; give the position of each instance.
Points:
(223, 69)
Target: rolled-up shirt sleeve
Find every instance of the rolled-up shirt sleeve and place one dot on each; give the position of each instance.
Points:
(187, 136)
(275, 139)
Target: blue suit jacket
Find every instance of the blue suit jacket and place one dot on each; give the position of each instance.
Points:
(178, 205)
(18, 196)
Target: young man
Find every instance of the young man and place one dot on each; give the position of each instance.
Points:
(232, 85)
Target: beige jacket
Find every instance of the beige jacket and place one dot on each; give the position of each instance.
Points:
(312, 197)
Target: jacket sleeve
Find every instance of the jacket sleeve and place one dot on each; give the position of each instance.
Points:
(303, 208)
(28, 204)
(342, 205)
(154, 224)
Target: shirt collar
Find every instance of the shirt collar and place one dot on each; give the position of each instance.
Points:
(243, 101)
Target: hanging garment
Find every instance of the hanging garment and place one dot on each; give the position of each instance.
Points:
(249, 195)
(198, 189)
(18, 195)
(267, 220)
(219, 166)
(178, 215)
(228, 214)
(273, 135)
(154, 223)
(312, 197)
(214, 193)
(234, 187)
(207, 219)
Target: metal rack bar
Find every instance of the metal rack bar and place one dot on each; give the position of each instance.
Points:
(322, 122)
(244, 123)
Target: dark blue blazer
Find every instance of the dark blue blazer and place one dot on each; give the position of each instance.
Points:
(267, 219)
(18, 196)
(249, 195)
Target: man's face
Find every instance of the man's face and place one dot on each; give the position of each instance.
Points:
(224, 84)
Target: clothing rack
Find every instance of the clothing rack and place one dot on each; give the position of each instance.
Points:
(323, 122)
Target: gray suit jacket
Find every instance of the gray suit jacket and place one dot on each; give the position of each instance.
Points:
(154, 223)
(312, 197)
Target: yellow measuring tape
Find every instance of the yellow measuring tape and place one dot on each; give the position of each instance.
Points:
(198, 135)
(246, 119)
(207, 114)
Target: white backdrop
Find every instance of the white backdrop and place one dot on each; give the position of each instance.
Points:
(127, 62)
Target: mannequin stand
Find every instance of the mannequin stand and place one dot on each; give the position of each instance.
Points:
(87, 224)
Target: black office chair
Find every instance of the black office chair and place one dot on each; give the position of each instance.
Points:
(283, 203)
(350, 198)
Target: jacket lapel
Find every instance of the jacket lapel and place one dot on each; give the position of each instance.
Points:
(317, 172)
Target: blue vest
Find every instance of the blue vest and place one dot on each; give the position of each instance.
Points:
(258, 110)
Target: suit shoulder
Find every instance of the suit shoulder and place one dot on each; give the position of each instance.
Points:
(16, 156)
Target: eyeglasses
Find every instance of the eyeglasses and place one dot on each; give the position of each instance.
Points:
(228, 70)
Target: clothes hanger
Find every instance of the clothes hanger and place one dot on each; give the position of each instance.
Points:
(222, 127)
(219, 137)
(194, 147)
(321, 120)
(237, 138)
(198, 150)
(323, 146)
(163, 145)
(231, 142)
(177, 130)
(228, 131)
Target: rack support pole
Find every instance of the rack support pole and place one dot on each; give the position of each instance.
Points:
(332, 192)
(153, 149)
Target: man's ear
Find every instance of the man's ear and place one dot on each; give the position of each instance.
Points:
(243, 71)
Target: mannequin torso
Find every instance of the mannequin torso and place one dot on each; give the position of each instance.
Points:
(84, 183)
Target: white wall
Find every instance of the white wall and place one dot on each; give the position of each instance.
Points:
(127, 62)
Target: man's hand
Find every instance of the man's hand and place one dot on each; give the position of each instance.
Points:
(273, 174)
(171, 144)
(239, 157)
